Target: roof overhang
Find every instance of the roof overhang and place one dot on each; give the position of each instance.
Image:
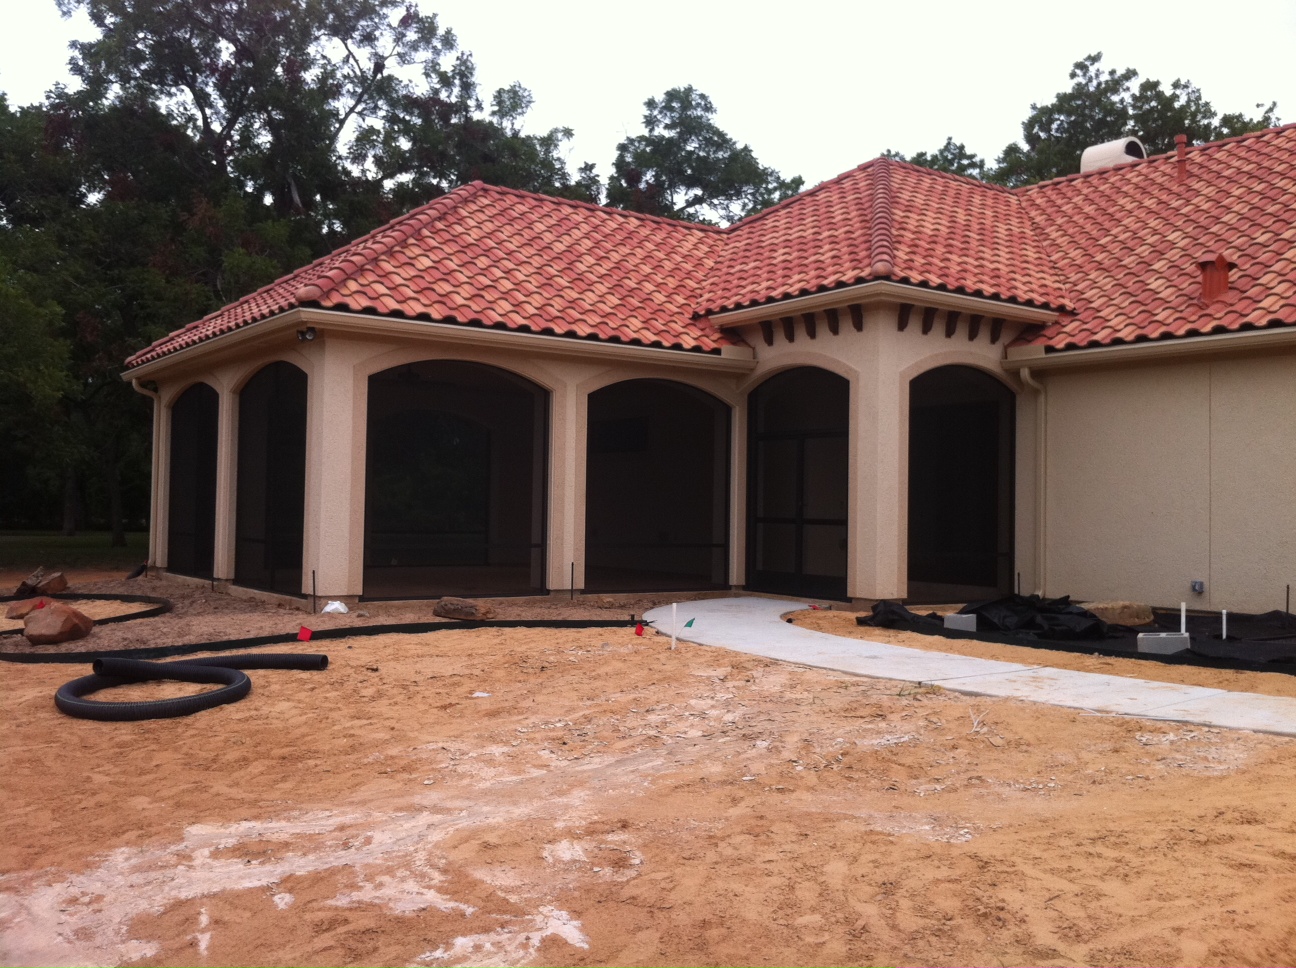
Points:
(885, 291)
(730, 358)
(1036, 359)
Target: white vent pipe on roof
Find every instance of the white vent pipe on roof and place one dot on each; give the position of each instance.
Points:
(1112, 153)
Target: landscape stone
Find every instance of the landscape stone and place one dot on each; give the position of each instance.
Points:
(52, 584)
(56, 623)
(21, 609)
(27, 587)
(463, 609)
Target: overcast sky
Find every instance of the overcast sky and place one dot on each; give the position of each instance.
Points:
(815, 87)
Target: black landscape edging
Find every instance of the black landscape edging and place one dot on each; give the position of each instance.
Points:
(345, 632)
(161, 606)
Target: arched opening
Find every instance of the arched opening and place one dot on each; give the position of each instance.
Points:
(656, 488)
(191, 518)
(961, 439)
(271, 480)
(455, 482)
(798, 484)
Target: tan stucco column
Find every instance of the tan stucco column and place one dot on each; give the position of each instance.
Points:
(568, 417)
(879, 418)
(336, 439)
(158, 515)
(226, 483)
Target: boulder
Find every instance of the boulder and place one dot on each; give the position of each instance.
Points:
(463, 609)
(1121, 613)
(28, 587)
(23, 609)
(56, 623)
(52, 584)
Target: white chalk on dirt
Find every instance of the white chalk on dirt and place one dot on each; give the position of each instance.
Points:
(515, 944)
(335, 608)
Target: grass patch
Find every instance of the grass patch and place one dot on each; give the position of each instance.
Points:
(26, 551)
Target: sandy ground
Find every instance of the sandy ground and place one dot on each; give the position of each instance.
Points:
(611, 801)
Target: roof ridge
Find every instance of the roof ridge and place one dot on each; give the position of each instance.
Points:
(812, 190)
(881, 235)
(384, 239)
(1157, 159)
(881, 161)
(603, 209)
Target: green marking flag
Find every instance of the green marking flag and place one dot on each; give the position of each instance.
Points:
(689, 624)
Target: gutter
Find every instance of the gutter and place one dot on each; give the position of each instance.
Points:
(1279, 337)
(738, 359)
(1041, 472)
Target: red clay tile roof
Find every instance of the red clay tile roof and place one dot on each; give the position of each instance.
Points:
(1128, 241)
(1115, 251)
(886, 220)
(501, 258)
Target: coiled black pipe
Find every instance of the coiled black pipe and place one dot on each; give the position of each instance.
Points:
(225, 670)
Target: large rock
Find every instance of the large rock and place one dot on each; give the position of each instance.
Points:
(23, 609)
(1121, 613)
(463, 609)
(56, 623)
(28, 587)
(52, 584)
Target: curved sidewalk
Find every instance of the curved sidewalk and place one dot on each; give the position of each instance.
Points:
(755, 626)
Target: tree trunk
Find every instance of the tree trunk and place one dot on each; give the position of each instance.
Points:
(70, 503)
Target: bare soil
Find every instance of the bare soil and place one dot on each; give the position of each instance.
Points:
(551, 796)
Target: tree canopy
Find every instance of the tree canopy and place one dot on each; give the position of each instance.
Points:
(214, 145)
(1100, 106)
(685, 167)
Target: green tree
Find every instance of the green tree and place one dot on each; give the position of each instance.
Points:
(952, 157)
(1103, 105)
(344, 111)
(685, 167)
(213, 146)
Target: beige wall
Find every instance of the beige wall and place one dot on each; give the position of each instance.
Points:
(1158, 475)
(880, 361)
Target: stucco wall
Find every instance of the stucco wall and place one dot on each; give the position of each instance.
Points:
(1158, 475)
(880, 361)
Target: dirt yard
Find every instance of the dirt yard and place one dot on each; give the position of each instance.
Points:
(587, 797)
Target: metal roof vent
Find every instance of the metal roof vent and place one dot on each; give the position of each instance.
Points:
(1112, 153)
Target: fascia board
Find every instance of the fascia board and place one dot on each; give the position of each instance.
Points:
(884, 291)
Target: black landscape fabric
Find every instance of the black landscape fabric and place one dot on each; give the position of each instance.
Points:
(1266, 641)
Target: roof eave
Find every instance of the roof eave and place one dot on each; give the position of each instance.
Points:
(1035, 357)
(734, 357)
(885, 291)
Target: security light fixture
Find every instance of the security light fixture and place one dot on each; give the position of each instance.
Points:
(306, 335)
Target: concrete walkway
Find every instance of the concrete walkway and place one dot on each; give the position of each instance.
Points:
(755, 626)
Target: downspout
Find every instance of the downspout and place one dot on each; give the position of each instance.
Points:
(153, 489)
(1041, 472)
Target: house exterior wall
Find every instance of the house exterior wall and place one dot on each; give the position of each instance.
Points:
(1161, 474)
(338, 366)
(880, 361)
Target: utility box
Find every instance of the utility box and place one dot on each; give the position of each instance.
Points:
(964, 623)
(1163, 643)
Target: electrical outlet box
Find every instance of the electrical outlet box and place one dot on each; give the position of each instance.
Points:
(1198, 586)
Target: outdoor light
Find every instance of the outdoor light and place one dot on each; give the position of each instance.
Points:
(306, 335)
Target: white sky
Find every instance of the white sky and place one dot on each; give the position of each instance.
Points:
(814, 86)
